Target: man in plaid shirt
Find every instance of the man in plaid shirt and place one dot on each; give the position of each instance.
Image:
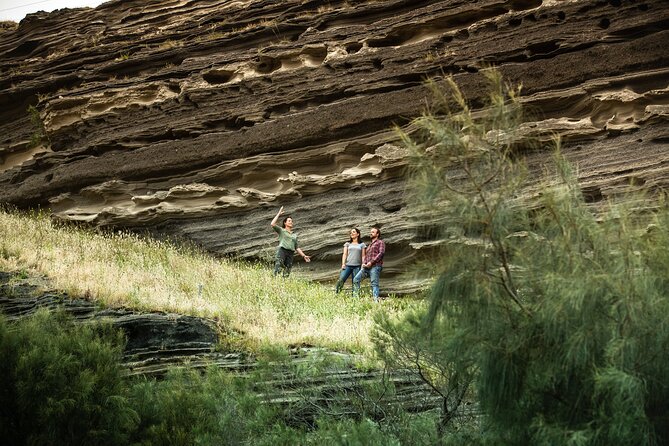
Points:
(372, 264)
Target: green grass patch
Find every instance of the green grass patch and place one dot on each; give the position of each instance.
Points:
(124, 269)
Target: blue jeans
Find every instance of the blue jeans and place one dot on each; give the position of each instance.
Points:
(344, 274)
(373, 273)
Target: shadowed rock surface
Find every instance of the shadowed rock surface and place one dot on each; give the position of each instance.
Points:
(154, 340)
(198, 119)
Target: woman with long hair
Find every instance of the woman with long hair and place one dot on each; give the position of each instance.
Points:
(351, 258)
(287, 245)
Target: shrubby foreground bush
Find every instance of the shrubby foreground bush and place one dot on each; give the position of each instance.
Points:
(62, 383)
(556, 309)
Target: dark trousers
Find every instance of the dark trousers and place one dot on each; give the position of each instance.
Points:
(283, 261)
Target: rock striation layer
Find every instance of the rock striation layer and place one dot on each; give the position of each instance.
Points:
(199, 118)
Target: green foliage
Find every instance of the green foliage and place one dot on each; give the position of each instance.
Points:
(562, 311)
(188, 408)
(39, 135)
(351, 433)
(408, 345)
(126, 269)
(61, 383)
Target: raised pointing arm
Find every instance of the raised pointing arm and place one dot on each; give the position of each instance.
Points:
(276, 217)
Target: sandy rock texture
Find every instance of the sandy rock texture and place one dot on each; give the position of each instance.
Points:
(200, 118)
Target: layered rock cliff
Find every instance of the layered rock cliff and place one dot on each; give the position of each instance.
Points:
(200, 118)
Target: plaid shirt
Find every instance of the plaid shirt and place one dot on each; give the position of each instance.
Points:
(375, 252)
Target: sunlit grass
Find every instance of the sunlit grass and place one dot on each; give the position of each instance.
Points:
(123, 269)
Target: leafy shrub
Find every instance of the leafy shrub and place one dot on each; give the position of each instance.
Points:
(61, 383)
(560, 307)
(348, 432)
(190, 408)
(405, 344)
(39, 135)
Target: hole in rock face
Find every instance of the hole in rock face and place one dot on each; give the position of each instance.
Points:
(348, 65)
(515, 22)
(267, 64)
(174, 87)
(543, 48)
(561, 15)
(315, 55)
(391, 207)
(25, 49)
(637, 181)
(377, 64)
(217, 76)
(353, 47)
(462, 34)
(604, 23)
(519, 5)
(592, 194)
(390, 40)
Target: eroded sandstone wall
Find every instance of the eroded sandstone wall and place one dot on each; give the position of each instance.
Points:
(200, 118)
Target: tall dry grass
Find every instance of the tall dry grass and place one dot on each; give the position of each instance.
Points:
(123, 269)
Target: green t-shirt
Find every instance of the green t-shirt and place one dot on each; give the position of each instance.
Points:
(287, 240)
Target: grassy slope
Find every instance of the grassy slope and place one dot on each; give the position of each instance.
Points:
(127, 270)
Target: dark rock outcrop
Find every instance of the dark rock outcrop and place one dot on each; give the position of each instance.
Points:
(154, 340)
(199, 119)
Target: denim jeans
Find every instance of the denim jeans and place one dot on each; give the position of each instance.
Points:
(373, 273)
(344, 274)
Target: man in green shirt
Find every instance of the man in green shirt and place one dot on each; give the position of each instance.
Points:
(287, 245)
